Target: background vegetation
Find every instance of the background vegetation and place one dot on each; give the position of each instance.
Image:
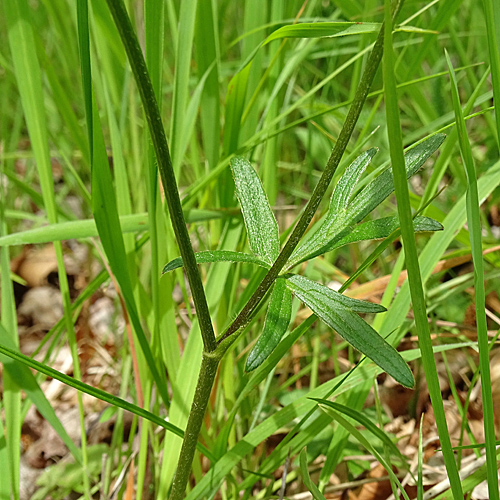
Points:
(264, 433)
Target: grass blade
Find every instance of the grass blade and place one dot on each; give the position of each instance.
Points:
(97, 393)
(317, 495)
(365, 422)
(367, 444)
(187, 18)
(408, 236)
(492, 20)
(26, 381)
(474, 224)
(29, 80)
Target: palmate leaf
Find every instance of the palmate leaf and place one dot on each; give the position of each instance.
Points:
(339, 312)
(216, 256)
(276, 324)
(345, 212)
(260, 222)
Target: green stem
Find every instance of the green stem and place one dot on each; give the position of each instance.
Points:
(331, 166)
(206, 378)
(152, 111)
(411, 257)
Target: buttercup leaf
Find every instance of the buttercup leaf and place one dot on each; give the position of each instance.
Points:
(382, 228)
(216, 256)
(260, 222)
(381, 187)
(277, 320)
(345, 212)
(347, 183)
(333, 309)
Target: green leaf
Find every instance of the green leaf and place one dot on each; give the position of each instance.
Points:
(315, 492)
(382, 228)
(367, 444)
(380, 188)
(26, 381)
(277, 320)
(86, 228)
(365, 422)
(339, 313)
(259, 219)
(97, 393)
(345, 186)
(345, 211)
(322, 30)
(235, 103)
(216, 256)
(330, 230)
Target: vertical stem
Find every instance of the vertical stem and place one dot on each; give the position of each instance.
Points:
(155, 124)
(206, 379)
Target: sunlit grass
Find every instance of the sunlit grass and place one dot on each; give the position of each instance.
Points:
(285, 115)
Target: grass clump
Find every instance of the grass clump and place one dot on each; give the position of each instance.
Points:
(217, 365)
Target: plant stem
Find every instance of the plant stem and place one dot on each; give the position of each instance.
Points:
(206, 378)
(318, 193)
(152, 112)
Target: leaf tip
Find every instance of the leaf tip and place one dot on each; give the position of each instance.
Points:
(407, 379)
(252, 363)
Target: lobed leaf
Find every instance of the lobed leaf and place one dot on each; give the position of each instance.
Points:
(260, 222)
(277, 320)
(339, 313)
(321, 235)
(346, 184)
(216, 256)
(345, 212)
(380, 188)
(382, 228)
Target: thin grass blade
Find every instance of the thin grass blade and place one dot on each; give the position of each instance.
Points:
(474, 225)
(26, 381)
(412, 263)
(316, 494)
